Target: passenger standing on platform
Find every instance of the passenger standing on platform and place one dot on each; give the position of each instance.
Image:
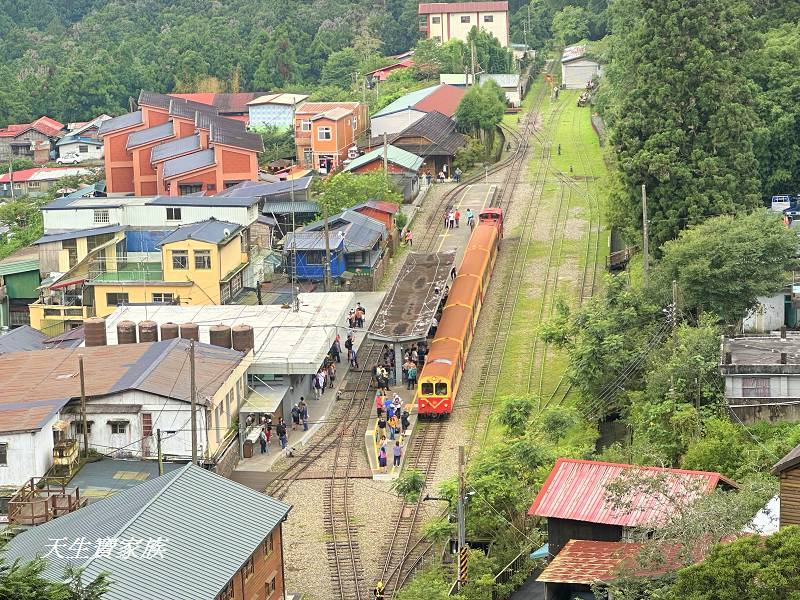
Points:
(360, 314)
(281, 431)
(381, 429)
(336, 350)
(353, 358)
(262, 439)
(410, 238)
(458, 172)
(295, 417)
(412, 376)
(398, 452)
(348, 344)
(445, 171)
(404, 422)
(317, 387)
(269, 431)
(434, 325)
(446, 218)
(382, 455)
(378, 404)
(387, 406)
(303, 412)
(457, 216)
(397, 404)
(428, 177)
(394, 423)
(451, 220)
(441, 176)
(470, 218)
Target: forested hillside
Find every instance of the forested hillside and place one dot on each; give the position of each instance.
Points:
(74, 59)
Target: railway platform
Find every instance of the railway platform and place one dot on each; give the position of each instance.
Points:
(255, 471)
(475, 196)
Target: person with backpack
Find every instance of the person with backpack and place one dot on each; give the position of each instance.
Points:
(303, 412)
(282, 435)
(412, 376)
(295, 417)
(405, 423)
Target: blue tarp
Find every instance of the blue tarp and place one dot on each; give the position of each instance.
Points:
(542, 552)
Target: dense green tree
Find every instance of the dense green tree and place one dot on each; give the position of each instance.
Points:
(278, 143)
(347, 189)
(750, 568)
(278, 67)
(570, 24)
(481, 110)
(723, 264)
(683, 116)
(341, 67)
(24, 581)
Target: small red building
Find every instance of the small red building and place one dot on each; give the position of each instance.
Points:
(173, 146)
(380, 211)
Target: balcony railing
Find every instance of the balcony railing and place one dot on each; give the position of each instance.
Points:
(40, 501)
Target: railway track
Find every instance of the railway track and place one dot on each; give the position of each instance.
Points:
(405, 554)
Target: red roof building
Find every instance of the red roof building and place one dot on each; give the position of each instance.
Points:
(383, 73)
(574, 500)
(173, 146)
(28, 139)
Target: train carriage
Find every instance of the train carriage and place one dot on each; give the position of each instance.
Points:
(492, 216)
(445, 362)
(466, 291)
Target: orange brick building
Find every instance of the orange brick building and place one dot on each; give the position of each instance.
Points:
(325, 132)
(172, 146)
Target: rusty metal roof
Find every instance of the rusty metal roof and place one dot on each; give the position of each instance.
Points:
(576, 490)
(411, 304)
(586, 562)
(38, 384)
(427, 8)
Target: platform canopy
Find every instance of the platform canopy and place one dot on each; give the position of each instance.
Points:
(408, 309)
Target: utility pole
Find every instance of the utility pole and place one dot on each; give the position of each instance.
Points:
(462, 529)
(11, 175)
(385, 155)
(193, 392)
(472, 53)
(327, 270)
(645, 239)
(84, 424)
(160, 456)
(295, 302)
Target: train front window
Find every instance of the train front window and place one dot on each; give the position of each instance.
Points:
(441, 389)
(427, 388)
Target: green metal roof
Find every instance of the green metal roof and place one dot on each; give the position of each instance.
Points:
(403, 102)
(209, 526)
(394, 155)
(19, 266)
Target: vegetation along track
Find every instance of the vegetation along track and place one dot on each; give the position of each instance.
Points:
(404, 554)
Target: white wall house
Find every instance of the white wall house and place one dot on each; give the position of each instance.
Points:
(26, 454)
(768, 315)
(444, 22)
(85, 148)
(576, 69)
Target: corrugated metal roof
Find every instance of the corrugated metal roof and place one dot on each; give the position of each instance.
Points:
(504, 80)
(282, 208)
(37, 384)
(281, 98)
(188, 163)
(406, 101)
(387, 207)
(459, 7)
(204, 120)
(151, 134)
(312, 108)
(211, 231)
(576, 490)
(311, 240)
(200, 200)
(237, 139)
(586, 562)
(360, 231)
(121, 122)
(71, 235)
(204, 519)
(395, 155)
(791, 460)
(22, 339)
(333, 114)
(174, 148)
(445, 100)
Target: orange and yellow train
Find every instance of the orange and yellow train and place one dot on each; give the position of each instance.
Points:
(437, 385)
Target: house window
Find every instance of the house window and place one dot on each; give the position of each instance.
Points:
(71, 246)
(4, 454)
(190, 188)
(33, 185)
(270, 587)
(202, 259)
(308, 156)
(305, 125)
(180, 259)
(116, 298)
(101, 215)
(147, 424)
(227, 592)
(488, 18)
(248, 569)
(755, 387)
(173, 213)
(465, 19)
(83, 148)
(441, 389)
(436, 20)
(355, 123)
(164, 298)
(118, 426)
(269, 546)
(315, 257)
(79, 427)
(324, 133)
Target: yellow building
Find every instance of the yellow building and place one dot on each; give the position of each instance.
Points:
(199, 263)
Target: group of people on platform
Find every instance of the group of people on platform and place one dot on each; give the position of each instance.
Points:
(394, 424)
(444, 175)
(452, 218)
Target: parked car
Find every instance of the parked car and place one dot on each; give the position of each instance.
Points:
(69, 159)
